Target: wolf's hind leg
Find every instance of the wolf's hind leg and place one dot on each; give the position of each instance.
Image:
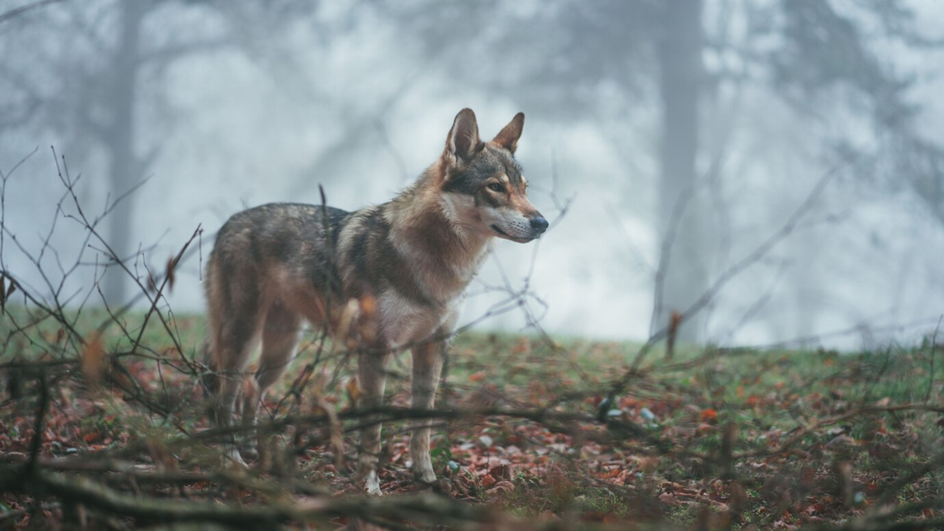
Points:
(235, 341)
(371, 379)
(280, 334)
(427, 366)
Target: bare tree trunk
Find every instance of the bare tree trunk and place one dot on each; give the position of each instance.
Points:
(681, 71)
(124, 167)
(804, 251)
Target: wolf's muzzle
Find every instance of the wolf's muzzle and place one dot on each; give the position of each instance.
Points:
(539, 224)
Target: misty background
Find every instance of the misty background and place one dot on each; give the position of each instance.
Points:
(722, 123)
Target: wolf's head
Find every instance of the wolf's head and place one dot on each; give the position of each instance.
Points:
(483, 188)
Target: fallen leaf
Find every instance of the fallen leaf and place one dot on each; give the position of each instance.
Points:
(171, 266)
(92, 356)
(353, 389)
(709, 415)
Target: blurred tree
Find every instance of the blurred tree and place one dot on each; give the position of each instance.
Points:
(684, 277)
(620, 65)
(85, 72)
(93, 74)
(564, 59)
(836, 62)
(828, 62)
(117, 134)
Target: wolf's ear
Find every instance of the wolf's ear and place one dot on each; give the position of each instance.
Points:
(463, 140)
(508, 137)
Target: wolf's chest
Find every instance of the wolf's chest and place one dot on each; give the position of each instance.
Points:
(403, 322)
(444, 285)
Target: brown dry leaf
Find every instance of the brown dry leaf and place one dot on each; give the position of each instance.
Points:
(92, 357)
(709, 415)
(368, 306)
(353, 389)
(348, 315)
(171, 266)
(477, 377)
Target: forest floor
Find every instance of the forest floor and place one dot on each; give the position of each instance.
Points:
(710, 439)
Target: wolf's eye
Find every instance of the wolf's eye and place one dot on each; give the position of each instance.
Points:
(495, 187)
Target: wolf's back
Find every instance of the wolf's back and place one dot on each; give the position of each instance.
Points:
(300, 237)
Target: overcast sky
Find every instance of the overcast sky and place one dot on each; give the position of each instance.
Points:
(249, 128)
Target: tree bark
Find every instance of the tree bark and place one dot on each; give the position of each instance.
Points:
(680, 82)
(124, 167)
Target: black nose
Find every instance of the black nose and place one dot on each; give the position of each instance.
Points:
(539, 224)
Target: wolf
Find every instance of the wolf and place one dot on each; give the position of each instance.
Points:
(384, 279)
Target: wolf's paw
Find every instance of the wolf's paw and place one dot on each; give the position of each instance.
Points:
(250, 453)
(424, 475)
(231, 458)
(372, 484)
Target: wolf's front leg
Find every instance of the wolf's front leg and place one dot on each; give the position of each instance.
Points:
(229, 391)
(371, 378)
(427, 365)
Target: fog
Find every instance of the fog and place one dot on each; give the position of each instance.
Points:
(804, 140)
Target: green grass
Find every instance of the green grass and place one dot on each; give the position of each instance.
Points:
(700, 403)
